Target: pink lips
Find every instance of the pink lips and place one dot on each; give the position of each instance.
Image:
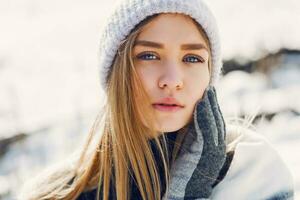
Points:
(168, 104)
(167, 108)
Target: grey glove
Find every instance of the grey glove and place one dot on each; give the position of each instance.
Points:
(202, 153)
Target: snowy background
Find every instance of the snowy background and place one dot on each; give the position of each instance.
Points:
(50, 93)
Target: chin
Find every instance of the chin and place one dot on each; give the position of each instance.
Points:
(169, 127)
(171, 123)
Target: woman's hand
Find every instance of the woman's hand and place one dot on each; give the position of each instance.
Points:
(202, 153)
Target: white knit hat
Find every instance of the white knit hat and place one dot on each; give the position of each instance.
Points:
(128, 13)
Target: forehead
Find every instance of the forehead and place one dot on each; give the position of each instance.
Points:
(173, 28)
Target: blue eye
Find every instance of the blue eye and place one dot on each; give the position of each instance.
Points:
(194, 59)
(147, 56)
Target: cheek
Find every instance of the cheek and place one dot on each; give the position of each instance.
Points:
(198, 77)
(148, 76)
(196, 85)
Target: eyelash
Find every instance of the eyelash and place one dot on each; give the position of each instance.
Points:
(140, 56)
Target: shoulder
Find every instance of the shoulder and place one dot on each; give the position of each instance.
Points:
(256, 170)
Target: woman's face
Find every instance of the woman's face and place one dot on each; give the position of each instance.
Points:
(171, 58)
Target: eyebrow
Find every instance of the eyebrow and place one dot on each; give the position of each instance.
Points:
(192, 46)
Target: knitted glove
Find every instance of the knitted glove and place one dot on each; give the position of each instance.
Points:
(202, 153)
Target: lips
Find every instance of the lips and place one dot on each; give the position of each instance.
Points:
(168, 105)
(162, 104)
(168, 101)
(167, 108)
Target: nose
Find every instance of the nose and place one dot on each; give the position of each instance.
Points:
(171, 78)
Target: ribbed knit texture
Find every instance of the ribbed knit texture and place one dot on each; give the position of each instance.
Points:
(128, 13)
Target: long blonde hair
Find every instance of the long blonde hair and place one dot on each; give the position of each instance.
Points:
(121, 147)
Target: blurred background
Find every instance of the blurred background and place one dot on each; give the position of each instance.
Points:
(50, 92)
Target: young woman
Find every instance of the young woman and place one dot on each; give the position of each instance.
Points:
(162, 133)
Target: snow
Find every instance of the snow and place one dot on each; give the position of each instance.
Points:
(49, 83)
(249, 29)
(249, 94)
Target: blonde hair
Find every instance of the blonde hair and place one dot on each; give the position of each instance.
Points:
(122, 145)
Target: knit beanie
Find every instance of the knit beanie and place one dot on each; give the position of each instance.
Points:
(126, 14)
